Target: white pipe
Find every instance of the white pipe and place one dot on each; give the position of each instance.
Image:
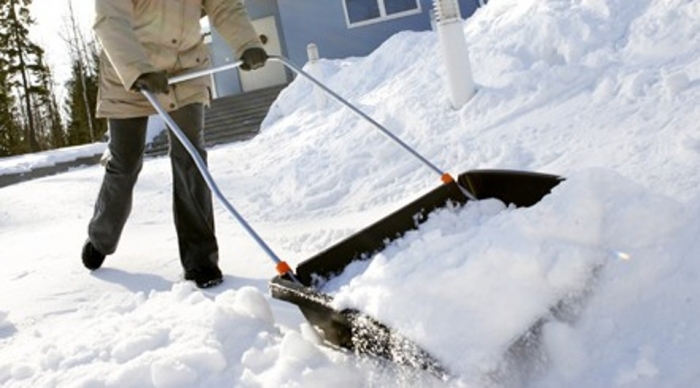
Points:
(447, 10)
(460, 81)
(316, 71)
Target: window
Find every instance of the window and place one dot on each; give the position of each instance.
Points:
(361, 12)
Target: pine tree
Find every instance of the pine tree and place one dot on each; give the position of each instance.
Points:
(78, 111)
(81, 100)
(11, 138)
(47, 114)
(83, 127)
(24, 64)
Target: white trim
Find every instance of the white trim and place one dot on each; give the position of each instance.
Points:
(382, 14)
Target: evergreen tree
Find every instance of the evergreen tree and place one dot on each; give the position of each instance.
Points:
(79, 113)
(81, 100)
(83, 127)
(24, 63)
(11, 138)
(47, 114)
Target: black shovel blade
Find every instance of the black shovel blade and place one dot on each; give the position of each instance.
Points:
(354, 331)
(360, 333)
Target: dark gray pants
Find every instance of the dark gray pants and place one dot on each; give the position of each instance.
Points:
(192, 203)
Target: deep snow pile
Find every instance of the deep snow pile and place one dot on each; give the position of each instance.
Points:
(479, 277)
(602, 92)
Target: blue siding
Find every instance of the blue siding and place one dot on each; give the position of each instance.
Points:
(323, 22)
(300, 22)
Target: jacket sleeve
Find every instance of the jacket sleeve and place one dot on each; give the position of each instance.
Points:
(230, 19)
(114, 29)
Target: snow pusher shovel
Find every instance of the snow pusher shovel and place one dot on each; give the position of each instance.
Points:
(351, 329)
(363, 334)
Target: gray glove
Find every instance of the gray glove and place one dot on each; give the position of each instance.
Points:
(155, 82)
(253, 58)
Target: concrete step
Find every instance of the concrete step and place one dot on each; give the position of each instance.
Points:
(229, 118)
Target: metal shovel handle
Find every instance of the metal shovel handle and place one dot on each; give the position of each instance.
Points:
(444, 176)
(282, 267)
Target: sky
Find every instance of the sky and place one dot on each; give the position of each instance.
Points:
(603, 93)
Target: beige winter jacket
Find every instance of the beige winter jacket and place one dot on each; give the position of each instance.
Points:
(141, 36)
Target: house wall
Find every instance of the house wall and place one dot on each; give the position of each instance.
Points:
(300, 22)
(323, 23)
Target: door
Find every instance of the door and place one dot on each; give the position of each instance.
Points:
(273, 72)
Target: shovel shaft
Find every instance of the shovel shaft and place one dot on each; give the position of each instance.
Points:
(444, 176)
(360, 113)
(282, 266)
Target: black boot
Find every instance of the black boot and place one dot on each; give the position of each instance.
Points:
(92, 258)
(205, 277)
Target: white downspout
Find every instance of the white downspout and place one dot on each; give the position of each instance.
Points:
(316, 71)
(455, 53)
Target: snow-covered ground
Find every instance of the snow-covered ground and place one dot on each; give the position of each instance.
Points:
(602, 92)
(26, 163)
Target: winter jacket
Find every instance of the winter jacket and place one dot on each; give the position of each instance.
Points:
(141, 36)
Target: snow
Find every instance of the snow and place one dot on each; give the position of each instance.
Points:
(600, 92)
(28, 162)
(25, 163)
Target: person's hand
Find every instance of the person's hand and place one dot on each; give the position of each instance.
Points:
(253, 58)
(155, 82)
